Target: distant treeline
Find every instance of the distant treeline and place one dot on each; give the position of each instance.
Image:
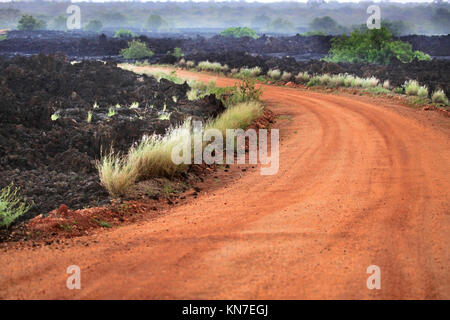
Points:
(313, 17)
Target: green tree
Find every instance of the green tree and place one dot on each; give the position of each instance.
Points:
(59, 23)
(281, 25)
(326, 25)
(28, 22)
(177, 53)
(124, 33)
(239, 32)
(94, 25)
(115, 19)
(155, 22)
(261, 21)
(371, 46)
(136, 50)
(441, 20)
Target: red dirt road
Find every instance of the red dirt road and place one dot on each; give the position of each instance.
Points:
(360, 183)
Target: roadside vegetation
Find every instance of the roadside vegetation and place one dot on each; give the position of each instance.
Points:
(372, 46)
(11, 206)
(152, 156)
(420, 95)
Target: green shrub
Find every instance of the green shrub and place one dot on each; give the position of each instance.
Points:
(11, 206)
(239, 32)
(313, 33)
(124, 33)
(29, 23)
(136, 50)
(178, 53)
(2, 37)
(314, 81)
(398, 90)
(245, 91)
(155, 22)
(371, 46)
(439, 96)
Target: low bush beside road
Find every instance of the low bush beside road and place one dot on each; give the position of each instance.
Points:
(136, 50)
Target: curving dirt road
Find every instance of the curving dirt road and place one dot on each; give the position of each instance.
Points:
(360, 183)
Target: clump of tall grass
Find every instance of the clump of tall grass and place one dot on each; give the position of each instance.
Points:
(193, 94)
(250, 72)
(356, 82)
(274, 74)
(286, 76)
(343, 80)
(190, 64)
(144, 63)
(152, 157)
(319, 80)
(411, 87)
(116, 174)
(172, 76)
(302, 77)
(324, 79)
(240, 116)
(423, 92)
(348, 80)
(11, 206)
(336, 81)
(313, 81)
(439, 96)
(370, 82)
(210, 66)
(386, 84)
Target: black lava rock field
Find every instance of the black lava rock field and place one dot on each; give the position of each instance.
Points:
(57, 117)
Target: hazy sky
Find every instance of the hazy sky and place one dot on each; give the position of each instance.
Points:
(265, 1)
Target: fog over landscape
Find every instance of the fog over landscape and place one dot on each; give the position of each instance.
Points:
(265, 17)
